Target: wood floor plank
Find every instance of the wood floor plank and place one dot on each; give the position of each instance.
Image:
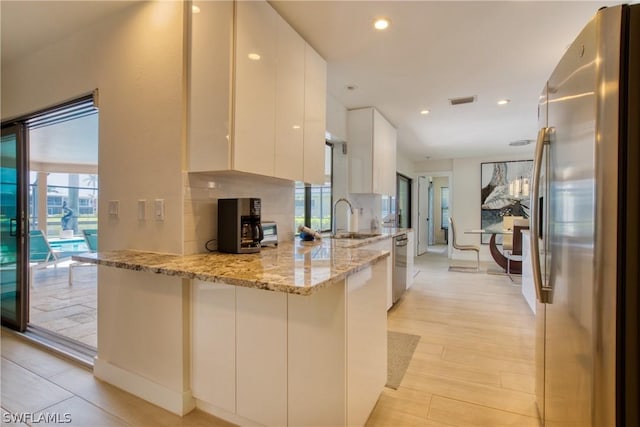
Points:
(24, 391)
(465, 414)
(31, 357)
(128, 407)
(79, 412)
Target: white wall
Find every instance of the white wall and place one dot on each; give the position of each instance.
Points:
(404, 164)
(135, 59)
(465, 200)
(464, 193)
(202, 191)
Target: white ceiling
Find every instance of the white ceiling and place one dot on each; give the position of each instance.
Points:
(433, 51)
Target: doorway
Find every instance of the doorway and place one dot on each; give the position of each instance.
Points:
(433, 213)
(59, 187)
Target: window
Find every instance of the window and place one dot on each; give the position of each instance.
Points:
(313, 202)
(444, 208)
(74, 193)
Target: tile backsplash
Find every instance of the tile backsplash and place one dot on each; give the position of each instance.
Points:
(201, 194)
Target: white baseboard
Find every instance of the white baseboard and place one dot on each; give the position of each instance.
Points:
(225, 415)
(179, 403)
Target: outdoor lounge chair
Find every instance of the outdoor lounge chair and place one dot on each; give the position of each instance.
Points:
(91, 239)
(40, 253)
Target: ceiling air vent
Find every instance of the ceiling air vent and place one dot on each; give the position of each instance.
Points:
(463, 100)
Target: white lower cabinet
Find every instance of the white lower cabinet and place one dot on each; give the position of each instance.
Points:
(386, 245)
(279, 359)
(214, 338)
(316, 352)
(261, 356)
(367, 341)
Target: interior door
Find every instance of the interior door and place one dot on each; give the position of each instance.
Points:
(423, 210)
(432, 233)
(13, 261)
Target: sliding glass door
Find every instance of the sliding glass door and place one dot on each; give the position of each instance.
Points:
(13, 261)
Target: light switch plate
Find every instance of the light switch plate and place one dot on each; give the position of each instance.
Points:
(142, 209)
(159, 209)
(114, 208)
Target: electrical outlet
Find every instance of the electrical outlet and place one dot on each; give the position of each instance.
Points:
(159, 209)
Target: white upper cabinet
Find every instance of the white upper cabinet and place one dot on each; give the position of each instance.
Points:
(290, 86)
(255, 88)
(371, 144)
(257, 98)
(315, 116)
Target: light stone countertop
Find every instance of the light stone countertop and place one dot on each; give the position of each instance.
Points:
(299, 268)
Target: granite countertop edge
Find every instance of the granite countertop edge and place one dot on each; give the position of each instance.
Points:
(176, 266)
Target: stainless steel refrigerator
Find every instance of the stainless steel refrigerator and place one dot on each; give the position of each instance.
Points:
(585, 228)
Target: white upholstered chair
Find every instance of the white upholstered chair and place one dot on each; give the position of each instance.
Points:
(454, 243)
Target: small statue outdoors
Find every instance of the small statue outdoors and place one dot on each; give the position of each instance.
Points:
(66, 217)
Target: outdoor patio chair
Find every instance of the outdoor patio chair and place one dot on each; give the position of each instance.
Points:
(40, 253)
(91, 239)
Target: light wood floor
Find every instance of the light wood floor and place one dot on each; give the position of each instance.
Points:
(473, 365)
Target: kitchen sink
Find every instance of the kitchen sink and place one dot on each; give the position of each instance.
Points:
(355, 235)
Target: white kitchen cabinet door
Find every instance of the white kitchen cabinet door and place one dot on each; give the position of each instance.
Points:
(386, 245)
(213, 373)
(386, 161)
(290, 87)
(261, 344)
(210, 87)
(410, 258)
(255, 88)
(315, 116)
(360, 150)
(366, 341)
(317, 352)
(372, 152)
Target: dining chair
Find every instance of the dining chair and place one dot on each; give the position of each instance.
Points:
(91, 240)
(508, 239)
(456, 245)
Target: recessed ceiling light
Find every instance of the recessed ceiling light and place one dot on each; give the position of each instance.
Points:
(424, 112)
(254, 56)
(195, 9)
(381, 23)
(296, 126)
(504, 101)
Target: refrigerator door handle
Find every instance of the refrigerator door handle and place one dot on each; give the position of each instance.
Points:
(543, 141)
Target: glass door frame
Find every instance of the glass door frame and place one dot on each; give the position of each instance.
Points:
(20, 320)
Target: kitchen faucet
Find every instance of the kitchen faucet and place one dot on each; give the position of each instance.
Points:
(342, 199)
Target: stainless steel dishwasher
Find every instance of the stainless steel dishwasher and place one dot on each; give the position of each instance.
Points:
(399, 267)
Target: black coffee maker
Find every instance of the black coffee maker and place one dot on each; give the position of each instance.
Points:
(239, 227)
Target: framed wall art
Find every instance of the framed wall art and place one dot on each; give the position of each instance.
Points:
(504, 190)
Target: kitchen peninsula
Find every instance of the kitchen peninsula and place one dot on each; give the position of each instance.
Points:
(293, 335)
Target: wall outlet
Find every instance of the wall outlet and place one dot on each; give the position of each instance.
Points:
(159, 209)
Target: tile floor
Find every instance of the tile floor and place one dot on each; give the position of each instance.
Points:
(474, 364)
(68, 310)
